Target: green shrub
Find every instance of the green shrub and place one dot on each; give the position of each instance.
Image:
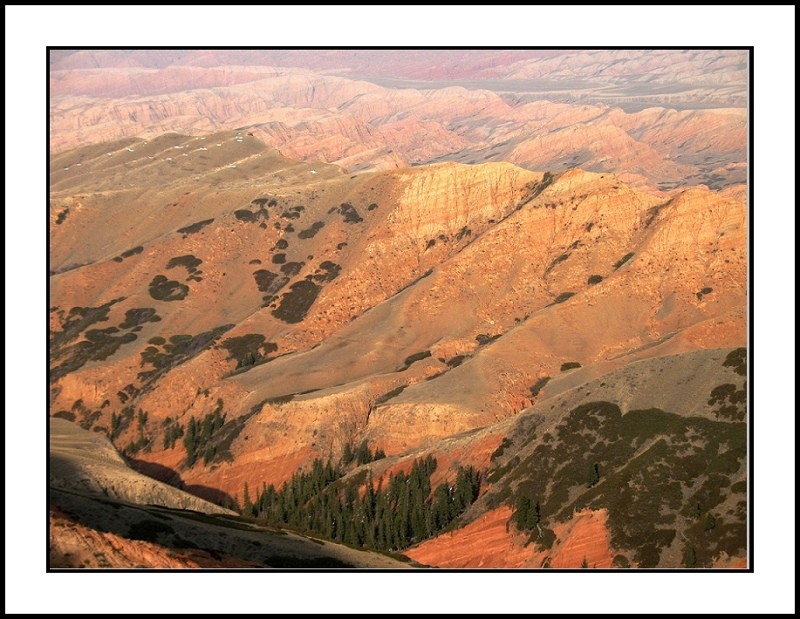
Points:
(350, 214)
(456, 361)
(139, 316)
(327, 272)
(195, 227)
(163, 289)
(291, 269)
(188, 261)
(294, 305)
(312, 231)
(501, 448)
(737, 359)
(390, 394)
(248, 349)
(623, 260)
(539, 385)
(556, 261)
(411, 359)
(245, 215)
(484, 339)
(132, 252)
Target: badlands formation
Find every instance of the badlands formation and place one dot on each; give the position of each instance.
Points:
(253, 268)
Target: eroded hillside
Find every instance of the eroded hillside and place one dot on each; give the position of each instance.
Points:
(226, 315)
(536, 112)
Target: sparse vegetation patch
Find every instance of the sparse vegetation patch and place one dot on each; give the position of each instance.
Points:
(539, 385)
(250, 349)
(195, 227)
(312, 231)
(650, 470)
(563, 297)
(177, 350)
(163, 289)
(139, 316)
(623, 260)
(349, 213)
(390, 394)
(294, 305)
(412, 359)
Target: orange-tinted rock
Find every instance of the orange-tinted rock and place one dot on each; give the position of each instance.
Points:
(492, 541)
(73, 545)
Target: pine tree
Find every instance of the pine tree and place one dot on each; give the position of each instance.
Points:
(710, 523)
(690, 557)
(522, 513)
(189, 442)
(534, 516)
(347, 454)
(248, 504)
(115, 423)
(363, 454)
(441, 507)
(594, 475)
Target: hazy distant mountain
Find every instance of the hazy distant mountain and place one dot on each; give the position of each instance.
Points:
(554, 123)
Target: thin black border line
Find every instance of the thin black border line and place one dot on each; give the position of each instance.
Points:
(750, 327)
(566, 48)
(751, 304)
(48, 569)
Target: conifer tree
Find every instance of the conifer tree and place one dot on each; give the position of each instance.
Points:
(594, 475)
(521, 515)
(690, 557)
(189, 442)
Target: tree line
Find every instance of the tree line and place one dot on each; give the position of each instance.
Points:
(197, 439)
(358, 512)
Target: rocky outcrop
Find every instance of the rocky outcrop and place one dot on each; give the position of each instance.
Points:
(87, 463)
(73, 545)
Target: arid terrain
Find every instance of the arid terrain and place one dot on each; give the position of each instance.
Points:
(658, 120)
(487, 315)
